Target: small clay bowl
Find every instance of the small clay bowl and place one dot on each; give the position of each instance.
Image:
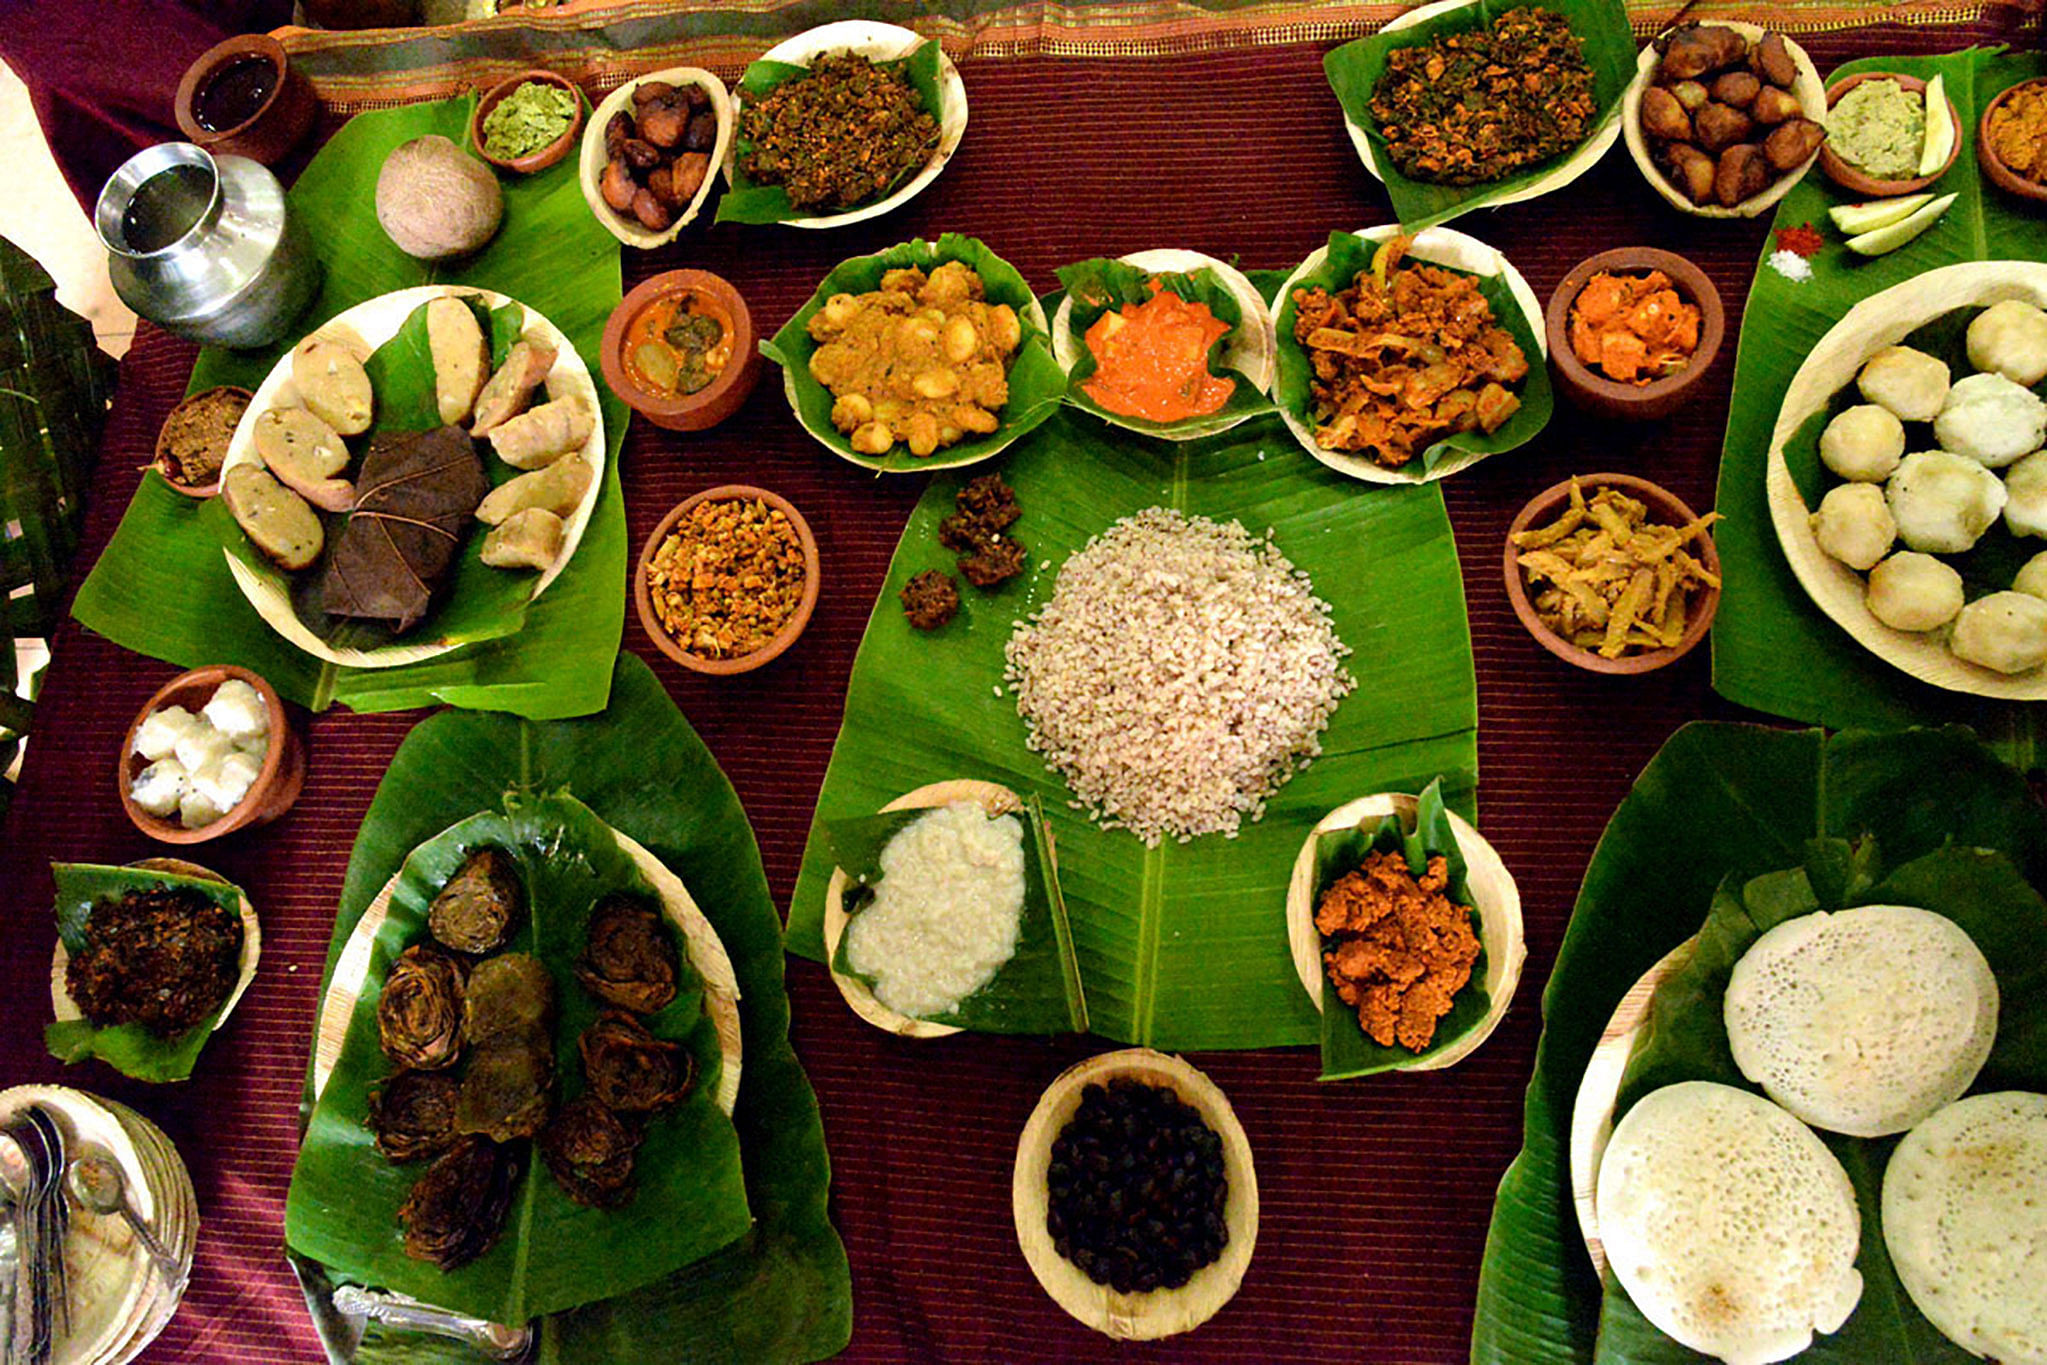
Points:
(2003, 176)
(1592, 390)
(272, 793)
(279, 123)
(643, 599)
(709, 405)
(1664, 507)
(166, 466)
(546, 156)
(1868, 186)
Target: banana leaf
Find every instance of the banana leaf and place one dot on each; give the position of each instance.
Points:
(1718, 801)
(1686, 1039)
(162, 586)
(1098, 285)
(1347, 1051)
(1180, 945)
(689, 1195)
(1036, 383)
(1354, 70)
(746, 200)
(782, 1292)
(1350, 256)
(1038, 989)
(1773, 649)
(130, 1049)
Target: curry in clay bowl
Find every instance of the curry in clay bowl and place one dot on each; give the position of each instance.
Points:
(1633, 345)
(735, 546)
(1700, 590)
(1855, 180)
(2029, 183)
(681, 351)
(277, 782)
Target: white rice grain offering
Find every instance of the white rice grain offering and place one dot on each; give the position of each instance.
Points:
(1182, 671)
(946, 910)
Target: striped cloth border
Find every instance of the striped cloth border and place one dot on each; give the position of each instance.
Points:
(601, 43)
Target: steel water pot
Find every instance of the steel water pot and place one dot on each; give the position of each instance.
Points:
(205, 246)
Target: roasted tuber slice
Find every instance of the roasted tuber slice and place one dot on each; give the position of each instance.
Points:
(616, 132)
(1663, 117)
(1691, 95)
(646, 92)
(686, 176)
(616, 185)
(1700, 50)
(1789, 144)
(1691, 170)
(641, 155)
(661, 181)
(1743, 173)
(695, 97)
(1720, 126)
(662, 123)
(652, 213)
(1773, 106)
(1773, 61)
(702, 135)
(1738, 88)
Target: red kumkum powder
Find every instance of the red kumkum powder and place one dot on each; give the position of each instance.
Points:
(1801, 239)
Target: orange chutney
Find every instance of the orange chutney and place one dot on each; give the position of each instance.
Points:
(1151, 359)
(671, 346)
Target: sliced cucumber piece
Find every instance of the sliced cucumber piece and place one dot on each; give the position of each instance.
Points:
(1940, 129)
(1904, 230)
(1856, 219)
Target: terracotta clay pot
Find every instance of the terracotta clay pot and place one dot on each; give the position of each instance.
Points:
(272, 793)
(279, 123)
(1593, 391)
(716, 401)
(2003, 176)
(1868, 186)
(643, 600)
(532, 161)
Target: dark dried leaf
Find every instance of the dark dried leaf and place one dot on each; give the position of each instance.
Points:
(457, 1209)
(630, 1069)
(630, 958)
(414, 500)
(419, 1014)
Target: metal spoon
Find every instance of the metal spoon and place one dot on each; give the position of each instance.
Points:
(96, 1183)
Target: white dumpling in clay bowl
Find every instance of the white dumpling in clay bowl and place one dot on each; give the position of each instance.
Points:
(1943, 503)
(1991, 420)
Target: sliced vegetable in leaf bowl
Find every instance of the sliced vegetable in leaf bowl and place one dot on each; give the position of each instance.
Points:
(1182, 367)
(405, 576)
(1376, 876)
(150, 960)
(978, 942)
(984, 372)
(1440, 169)
(1480, 372)
(797, 154)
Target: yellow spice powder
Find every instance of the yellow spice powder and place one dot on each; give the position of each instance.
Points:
(2018, 132)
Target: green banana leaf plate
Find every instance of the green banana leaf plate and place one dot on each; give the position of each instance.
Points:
(1720, 805)
(689, 1197)
(1354, 69)
(782, 1291)
(162, 587)
(1773, 648)
(1180, 945)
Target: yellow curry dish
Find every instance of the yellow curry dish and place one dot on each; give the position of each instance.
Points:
(922, 361)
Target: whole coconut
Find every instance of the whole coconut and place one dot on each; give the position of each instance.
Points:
(436, 201)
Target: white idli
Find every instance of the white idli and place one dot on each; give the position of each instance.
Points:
(1863, 443)
(2010, 337)
(1991, 420)
(2005, 632)
(1965, 1220)
(1942, 502)
(1911, 591)
(1854, 525)
(1729, 1223)
(1863, 1021)
(1912, 384)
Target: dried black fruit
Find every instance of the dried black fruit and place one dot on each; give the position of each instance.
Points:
(630, 1069)
(413, 1116)
(479, 909)
(457, 1209)
(419, 1013)
(629, 959)
(589, 1150)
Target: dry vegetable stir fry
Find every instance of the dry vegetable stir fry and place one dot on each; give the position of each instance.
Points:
(838, 137)
(1404, 358)
(727, 578)
(1618, 583)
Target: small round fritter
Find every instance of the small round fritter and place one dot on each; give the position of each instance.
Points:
(629, 959)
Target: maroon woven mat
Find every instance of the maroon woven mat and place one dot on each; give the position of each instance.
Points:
(1375, 1194)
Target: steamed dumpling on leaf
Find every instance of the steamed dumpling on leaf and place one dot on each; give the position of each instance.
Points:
(1943, 503)
(559, 488)
(542, 435)
(419, 1013)
(413, 1116)
(2010, 338)
(531, 539)
(507, 1089)
(630, 959)
(511, 388)
(1864, 443)
(461, 357)
(1854, 525)
(482, 905)
(1912, 591)
(306, 455)
(1991, 420)
(509, 996)
(414, 498)
(2005, 632)
(456, 1211)
(630, 1069)
(2025, 503)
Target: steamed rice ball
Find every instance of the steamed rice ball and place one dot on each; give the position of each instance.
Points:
(228, 781)
(160, 787)
(1943, 503)
(2010, 338)
(2005, 632)
(236, 710)
(1854, 525)
(1912, 384)
(2025, 496)
(196, 811)
(158, 735)
(1863, 444)
(2032, 578)
(1992, 420)
(1916, 592)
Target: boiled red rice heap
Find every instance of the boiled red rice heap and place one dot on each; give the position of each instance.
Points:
(1182, 671)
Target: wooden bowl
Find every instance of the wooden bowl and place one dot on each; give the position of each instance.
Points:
(1593, 391)
(164, 465)
(1868, 186)
(590, 158)
(1161, 1312)
(546, 156)
(1493, 893)
(1812, 95)
(2003, 176)
(272, 793)
(793, 627)
(710, 405)
(1665, 507)
(279, 123)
